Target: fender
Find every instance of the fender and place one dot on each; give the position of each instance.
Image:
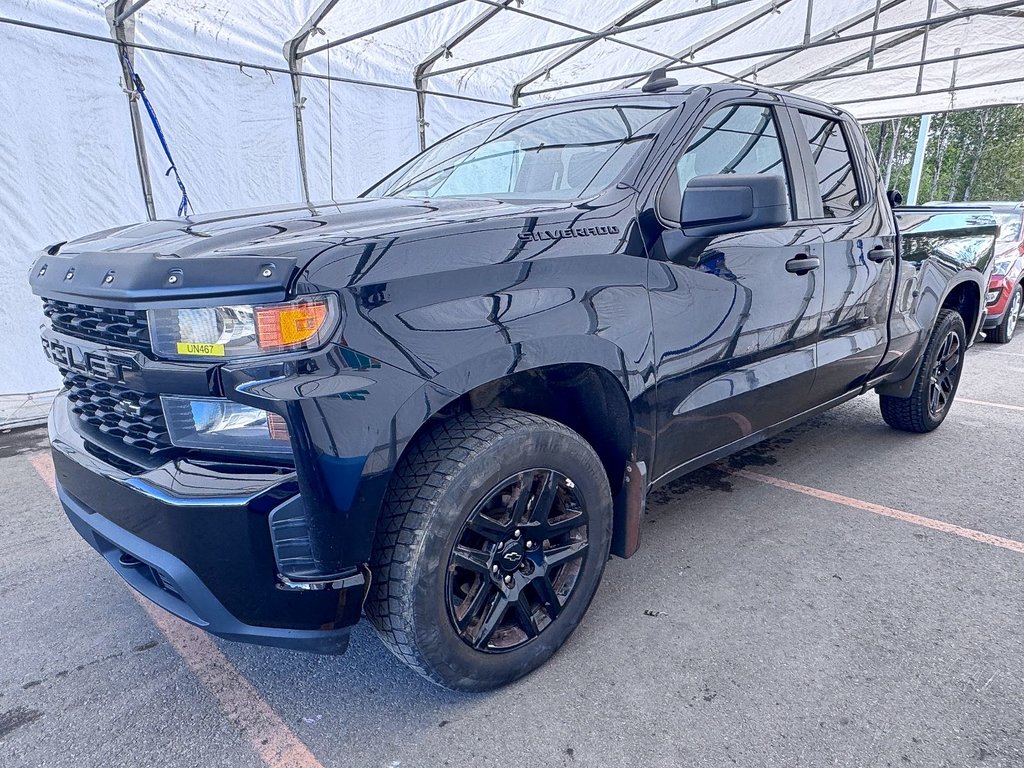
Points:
(538, 355)
(900, 382)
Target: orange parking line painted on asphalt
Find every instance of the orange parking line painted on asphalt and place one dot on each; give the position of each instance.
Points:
(239, 700)
(896, 514)
(990, 405)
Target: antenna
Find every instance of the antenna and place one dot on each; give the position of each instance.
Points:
(659, 81)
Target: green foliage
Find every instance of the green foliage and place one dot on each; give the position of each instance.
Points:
(975, 154)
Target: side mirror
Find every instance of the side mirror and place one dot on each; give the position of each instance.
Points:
(726, 203)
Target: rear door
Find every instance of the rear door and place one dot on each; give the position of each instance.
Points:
(734, 327)
(858, 264)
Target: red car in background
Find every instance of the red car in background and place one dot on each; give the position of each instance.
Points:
(1005, 298)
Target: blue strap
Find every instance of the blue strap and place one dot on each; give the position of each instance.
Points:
(141, 90)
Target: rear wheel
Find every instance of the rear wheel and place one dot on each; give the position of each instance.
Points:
(1003, 332)
(938, 376)
(493, 539)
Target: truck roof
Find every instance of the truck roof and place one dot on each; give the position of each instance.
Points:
(683, 90)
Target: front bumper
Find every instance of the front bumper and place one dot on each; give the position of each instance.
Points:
(196, 540)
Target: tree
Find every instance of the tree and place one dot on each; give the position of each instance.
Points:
(974, 154)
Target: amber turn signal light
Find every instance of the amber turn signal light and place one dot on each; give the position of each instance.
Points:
(289, 325)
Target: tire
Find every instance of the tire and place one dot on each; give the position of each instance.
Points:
(1003, 332)
(464, 483)
(938, 376)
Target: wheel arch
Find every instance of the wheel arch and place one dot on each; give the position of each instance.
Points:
(590, 394)
(965, 298)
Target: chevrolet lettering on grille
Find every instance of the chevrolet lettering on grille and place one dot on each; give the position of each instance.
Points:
(74, 358)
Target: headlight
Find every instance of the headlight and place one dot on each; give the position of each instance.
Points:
(243, 329)
(214, 424)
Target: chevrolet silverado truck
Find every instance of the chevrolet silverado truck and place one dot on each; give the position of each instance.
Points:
(441, 405)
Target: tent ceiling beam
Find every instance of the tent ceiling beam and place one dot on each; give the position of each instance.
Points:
(955, 58)
(874, 37)
(444, 50)
(564, 56)
(716, 37)
(930, 92)
(825, 42)
(382, 27)
(548, 66)
(594, 36)
(253, 65)
(125, 13)
(924, 45)
(847, 61)
(853, 21)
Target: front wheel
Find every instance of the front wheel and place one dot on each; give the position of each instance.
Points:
(493, 539)
(1003, 333)
(938, 376)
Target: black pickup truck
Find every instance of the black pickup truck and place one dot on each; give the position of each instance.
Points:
(442, 404)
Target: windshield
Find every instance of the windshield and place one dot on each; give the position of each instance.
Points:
(553, 153)
(1009, 227)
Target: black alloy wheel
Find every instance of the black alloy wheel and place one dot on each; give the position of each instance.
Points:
(936, 380)
(495, 532)
(517, 560)
(944, 375)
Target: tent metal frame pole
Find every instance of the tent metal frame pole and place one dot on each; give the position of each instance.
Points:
(564, 56)
(825, 42)
(235, 63)
(443, 51)
(929, 92)
(717, 36)
(292, 53)
(843, 26)
(121, 34)
(874, 37)
(853, 58)
(816, 77)
(381, 27)
(592, 36)
(584, 31)
(918, 165)
(924, 48)
(121, 17)
(810, 19)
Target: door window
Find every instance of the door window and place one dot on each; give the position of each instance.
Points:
(739, 139)
(837, 180)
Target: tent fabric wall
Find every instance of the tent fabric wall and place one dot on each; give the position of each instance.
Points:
(69, 161)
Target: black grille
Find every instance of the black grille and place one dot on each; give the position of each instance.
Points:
(121, 327)
(134, 417)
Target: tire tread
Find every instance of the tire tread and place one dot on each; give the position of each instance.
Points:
(419, 482)
(909, 414)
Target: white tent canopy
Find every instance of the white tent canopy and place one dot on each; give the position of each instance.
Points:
(373, 80)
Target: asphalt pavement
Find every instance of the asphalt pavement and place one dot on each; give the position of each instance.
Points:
(840, 595)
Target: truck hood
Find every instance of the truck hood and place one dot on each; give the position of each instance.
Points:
(262, 251)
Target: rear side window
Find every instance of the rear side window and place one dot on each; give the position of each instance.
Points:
(738, 139)
(837, 180)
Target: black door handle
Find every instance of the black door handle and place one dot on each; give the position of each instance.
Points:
(881, 254)
(801, 265)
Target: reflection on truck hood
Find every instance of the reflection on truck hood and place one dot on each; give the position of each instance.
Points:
(264, 251)
(269, 228)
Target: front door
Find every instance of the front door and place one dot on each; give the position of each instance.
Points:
(735, 323)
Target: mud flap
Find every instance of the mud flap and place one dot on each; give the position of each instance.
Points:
(630, 504)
